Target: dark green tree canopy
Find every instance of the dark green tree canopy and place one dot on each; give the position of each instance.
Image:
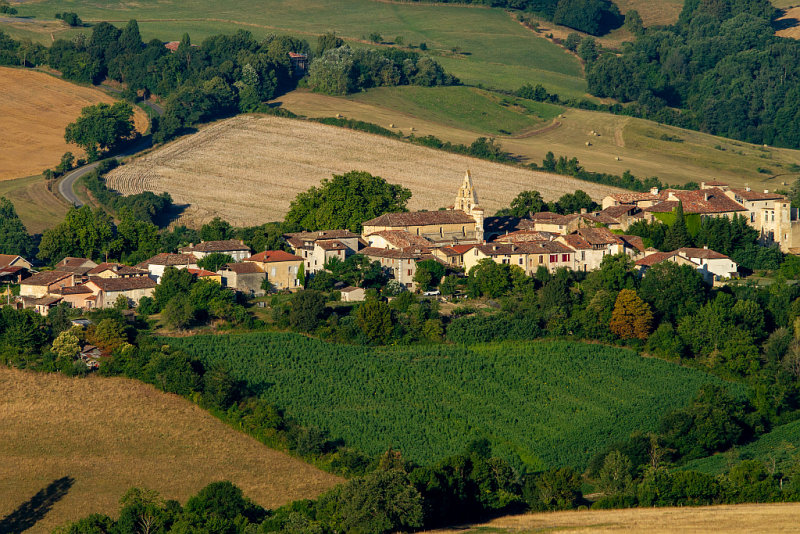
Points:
(346, 201)
(101, 127)
(14, 238)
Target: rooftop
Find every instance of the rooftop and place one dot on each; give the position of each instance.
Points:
(272, 256)
(421, 218)
(376, 252)
(167, 259)
(402, 239)
(215, 246)
(123, 284)
(46, 278)
(243, 268)
(701, 253)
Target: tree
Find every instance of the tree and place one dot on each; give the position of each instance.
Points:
(109, 334)
(328, 41)
(374, 318)
(587, 50)
(179, 312)
(678, 234)
(14, 238)
(633, 22)
(216, 230)
(526, 202)
(346, 201)
(306, 310)
(67, 346)
(101, 127)
(595, 17)
(573, 41)
(489, 279)
(615, 475)
(174, 282)
(215, 261)
(631, 317)
(429, 274)
(673, 290)
(84, 233)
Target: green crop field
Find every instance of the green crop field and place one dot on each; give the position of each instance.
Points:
(464, 107)
(491, 47)
(549, 403)
(777, 448)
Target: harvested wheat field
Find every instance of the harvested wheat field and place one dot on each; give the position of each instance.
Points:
(89, 440)
(35, 109)
(731, 519)
(248, 169)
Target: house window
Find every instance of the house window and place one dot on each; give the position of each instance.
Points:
(520, 261)
(752, 217)
(583, 255)
(273, 272)
(504, 261)
(409, 272)
(553, 258)
(565, 257)
(541, 259)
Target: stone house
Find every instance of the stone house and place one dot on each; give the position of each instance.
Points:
(282, 268)
(108, 290)
(42, 284)
(317, 248)
(246, 277)
(159, 263)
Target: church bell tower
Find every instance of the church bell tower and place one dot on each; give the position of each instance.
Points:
(467, 201)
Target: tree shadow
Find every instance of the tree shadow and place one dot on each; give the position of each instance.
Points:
(780, 23)
(34, 509)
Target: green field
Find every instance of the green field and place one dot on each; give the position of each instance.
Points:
(493, 49)
(548, 403)
(777, 448)
(464, 107)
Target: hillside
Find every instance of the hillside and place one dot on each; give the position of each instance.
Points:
(777, 447)
(643, 147)
(89, 440)
(35, 108)
(248, 169)
(732, 519)
(546, 403)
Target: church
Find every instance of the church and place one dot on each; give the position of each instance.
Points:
(462, 224)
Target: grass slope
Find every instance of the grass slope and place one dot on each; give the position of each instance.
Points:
(731, 519)
(775, 448)
(644, 147)
(493, 48)
(38, 208)
(550, 403)
(109, 434)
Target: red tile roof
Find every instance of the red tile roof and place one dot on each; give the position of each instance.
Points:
(244, 268)
(756, 195)
(655, 258)
(227, 245)
(402, 239)
(521, 236)
(167, 259)
(598, 236)
(122, 284)
(376, 252)
(272, 256)
(7, 259)
(702, 201)
(201, 273)
(701, 253)
(46, 278)
(119, 268)
(422, 218)
(577, 242)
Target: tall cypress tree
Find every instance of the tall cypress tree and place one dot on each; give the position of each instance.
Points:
(678, 234)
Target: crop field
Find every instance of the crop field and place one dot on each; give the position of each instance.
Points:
(777, 448)
(97, 437)
(248, 169)
(546, 403)
(35, 108)
(644, 147)
(731, 519)
(490, 47)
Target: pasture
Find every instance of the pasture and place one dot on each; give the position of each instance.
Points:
(97, 437)
(38, 207)
(248, 169)
(644, 147)
(543, 403)
(732, 519)
(35, 108)
(490, 46)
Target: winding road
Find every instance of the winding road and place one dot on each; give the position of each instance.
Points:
(66, 185)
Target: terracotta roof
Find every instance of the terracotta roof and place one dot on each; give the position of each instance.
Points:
(577, 242)
(74, 262)
(215, 246)
(201, 273)
(167, 259)
(617, 211)
(421, 218)
(172, 46)
(74, 290)
(554, 218)
(270, 256)
(45, 301)
(598, 236)
(46, 278)
(7, 259)
(118, 268)
(123, 284)
(402, 239)
(323, 234)
(12, 270)
(349, 289)
(652, 259)
(389, 253)
(712, 200)
(553, 246)
(630, 198)
(701, 253)
(330, 245)
(456, 250)
(243, 268)
(634, 241)
(521, 236)
(295, 55)
(756, 195)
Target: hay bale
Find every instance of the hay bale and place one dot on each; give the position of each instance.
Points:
(588, 143)
(391, 126)
(617, 158)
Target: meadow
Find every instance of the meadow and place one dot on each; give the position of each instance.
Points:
(490, 46)
(543, 403)
(35, 108)
(643, 147)
(248, 169)
(732, 519)
(38, 207)
(97, 437)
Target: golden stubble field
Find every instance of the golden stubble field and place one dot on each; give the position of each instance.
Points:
(35, 108)
(731, 519)
(109, 434)
(248, 169)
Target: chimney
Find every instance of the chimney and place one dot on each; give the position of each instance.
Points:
(706, 196)
(747, 188)
(583, 211)
(702, 185)
(766, 190)
(705, 247)
(494, 247)
(653, 190)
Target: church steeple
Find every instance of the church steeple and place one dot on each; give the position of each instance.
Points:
(467, 198)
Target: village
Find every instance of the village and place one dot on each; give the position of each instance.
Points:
(457, 238)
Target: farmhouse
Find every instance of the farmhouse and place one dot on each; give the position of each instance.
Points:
(527, 256)
(352, 294)
(397, 240)
(80, 296)
(401, 263)
(246, 277)
(42, 305)
(232, 247)
(79, 266)
(453, 256)
(316, 248)
(202, 274)
(282, 268)
(158, 264)
(711, 264)
(42, 284)
(462, 224)
(12, 260)
(108, 290)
